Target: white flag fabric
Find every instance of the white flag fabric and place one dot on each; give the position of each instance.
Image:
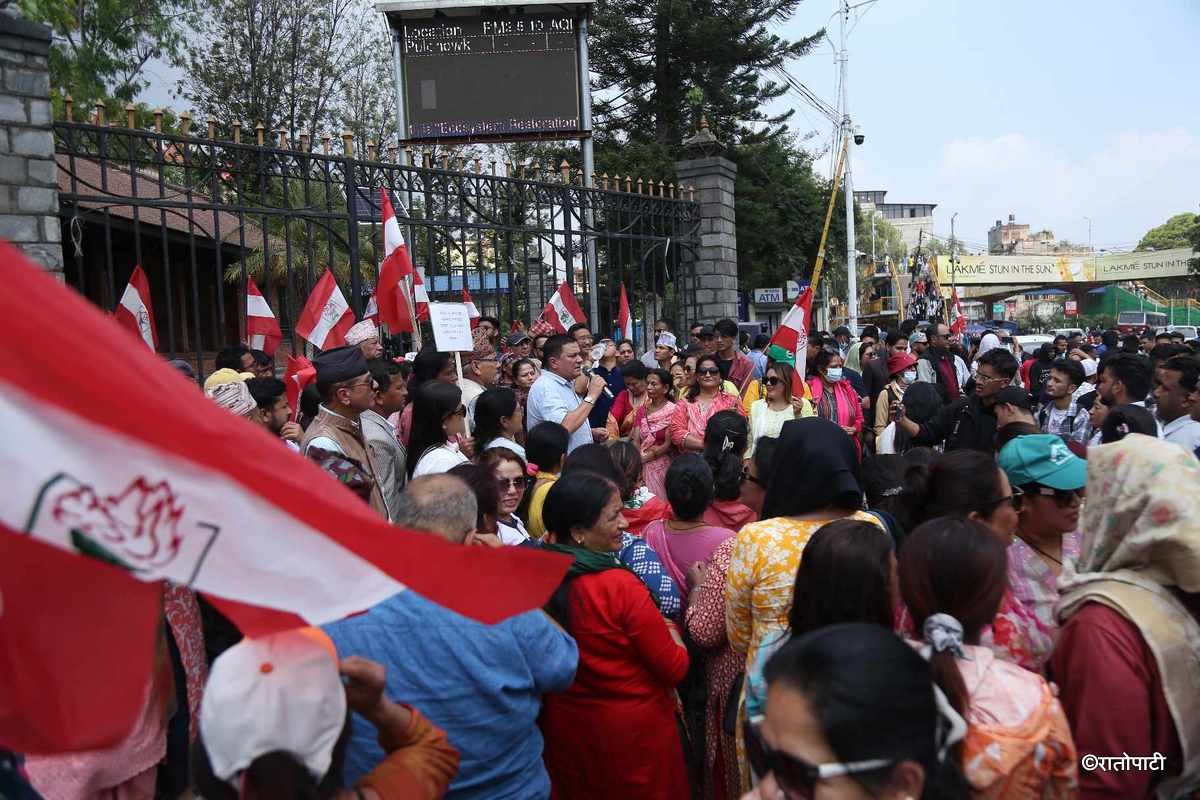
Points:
(135, 312)
(326, 316)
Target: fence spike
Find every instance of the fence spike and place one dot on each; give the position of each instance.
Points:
(237, 131)
(445, 159)
(691, 193)
(304, 140)
(478, 165)
(260, 133)
(410, 153)
(283, 139)
(348, 143)
(427, 159)
(565, 169)
(370, 149)
(629, 184)
(393, 149)
(508, 167)
(639, 186)
(604, 181)
(99, 112)
(212, 127)
(69, 102)
(158, 120)
(661, 187)
(130, 115)
(327, 143)
(185, 123)
(671, 191)
(493, 165)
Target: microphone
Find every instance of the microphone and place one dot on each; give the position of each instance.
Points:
(588, 372)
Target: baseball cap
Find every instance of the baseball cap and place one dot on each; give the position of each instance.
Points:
(1043, 459)
(706, 332)
(278, 692)
(1014, 396)
(517, 337)
(918, 337)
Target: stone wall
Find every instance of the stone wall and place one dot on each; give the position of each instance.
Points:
(28, 180)
(716, 263)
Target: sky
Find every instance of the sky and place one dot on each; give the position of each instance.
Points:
(1053, 111)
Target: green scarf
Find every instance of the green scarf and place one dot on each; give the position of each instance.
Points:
(587, 562)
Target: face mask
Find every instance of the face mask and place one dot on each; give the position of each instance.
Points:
(834, 374)
(909, 375)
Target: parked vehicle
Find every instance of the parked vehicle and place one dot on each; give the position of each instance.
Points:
(1189, 331)
(1067, 332)
(1139, 322)
(1030, 342)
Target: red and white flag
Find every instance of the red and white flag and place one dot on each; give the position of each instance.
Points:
(472, 311)
(789, 344)
(372, 311)
(202, 498)
(958, 320)
(135, 312)
(624, 318)
(262, 329)
(299, 374)
(422, 296)
(563, 310)
(326, 316)
(395, 307)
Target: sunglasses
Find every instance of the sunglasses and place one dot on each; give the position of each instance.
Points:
(772, 381)
(506, 484)
(797, 778)
(708, 371)
(1016, 499)
(1064, 497)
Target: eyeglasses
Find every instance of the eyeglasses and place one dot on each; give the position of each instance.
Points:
(1064, 497)
(1016, 499)
(708, 371)
(507, 484)
(981, 378)
(772, 381)
(686, 368)
(797, 778)
(746, 476)
(369, 383)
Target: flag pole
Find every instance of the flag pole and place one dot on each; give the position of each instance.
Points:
(837, 179)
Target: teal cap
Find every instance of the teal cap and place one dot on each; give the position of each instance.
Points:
(1043, 459)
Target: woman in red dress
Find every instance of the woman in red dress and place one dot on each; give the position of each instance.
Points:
(613, 733)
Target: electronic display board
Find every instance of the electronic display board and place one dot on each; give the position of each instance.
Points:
(490, 75)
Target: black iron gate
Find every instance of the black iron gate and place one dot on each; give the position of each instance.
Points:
(204, 214)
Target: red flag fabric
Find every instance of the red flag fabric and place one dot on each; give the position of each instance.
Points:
(472, 311)
(299, 374)
(326, 316)
(789, 344)
(624, 318)
(262, 329)
(372, 310)
(390, 292)
(135, 312)
(157, 479)
(959, 323)
(563, 311)
(59, 612)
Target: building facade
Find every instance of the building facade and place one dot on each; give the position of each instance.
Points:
(912, 220)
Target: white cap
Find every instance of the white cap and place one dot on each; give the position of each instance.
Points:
(667, 339)
(361, 332)
(279, 692)
(1089, 367)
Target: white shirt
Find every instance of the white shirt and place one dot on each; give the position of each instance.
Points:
(436, 460)
(1184, 432)
(512, 534)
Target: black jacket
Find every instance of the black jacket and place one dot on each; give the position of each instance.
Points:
(963, 425)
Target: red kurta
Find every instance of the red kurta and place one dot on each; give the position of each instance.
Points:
(613, 734)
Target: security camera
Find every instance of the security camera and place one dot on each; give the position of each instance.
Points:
(859, 137)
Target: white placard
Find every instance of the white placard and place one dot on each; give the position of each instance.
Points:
(451, 327)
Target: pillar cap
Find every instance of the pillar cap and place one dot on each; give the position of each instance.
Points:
(702, 143)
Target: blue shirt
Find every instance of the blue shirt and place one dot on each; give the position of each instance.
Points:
(759, 359)
(482, 684)
(551, 398)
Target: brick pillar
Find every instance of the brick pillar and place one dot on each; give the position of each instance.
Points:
(28, 172)
(715, 265)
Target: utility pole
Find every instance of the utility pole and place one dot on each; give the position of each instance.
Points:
(847, 130)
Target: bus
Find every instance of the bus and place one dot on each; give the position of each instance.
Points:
(1140, 322)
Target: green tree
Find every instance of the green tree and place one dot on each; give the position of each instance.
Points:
(101, 47)
(1181, 230)
(888, 243)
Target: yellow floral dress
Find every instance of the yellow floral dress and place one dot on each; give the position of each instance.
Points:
(758, 589)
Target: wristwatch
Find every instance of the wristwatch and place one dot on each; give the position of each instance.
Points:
(589, 401)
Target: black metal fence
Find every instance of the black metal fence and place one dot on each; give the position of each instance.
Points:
(202, 214)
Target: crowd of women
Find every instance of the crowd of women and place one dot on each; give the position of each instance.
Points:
(763, 605)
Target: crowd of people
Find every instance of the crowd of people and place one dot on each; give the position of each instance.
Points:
(907, 564)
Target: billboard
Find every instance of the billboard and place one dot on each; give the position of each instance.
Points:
(491, 74)
(1038, 270)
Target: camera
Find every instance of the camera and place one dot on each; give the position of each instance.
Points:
(859, 137)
